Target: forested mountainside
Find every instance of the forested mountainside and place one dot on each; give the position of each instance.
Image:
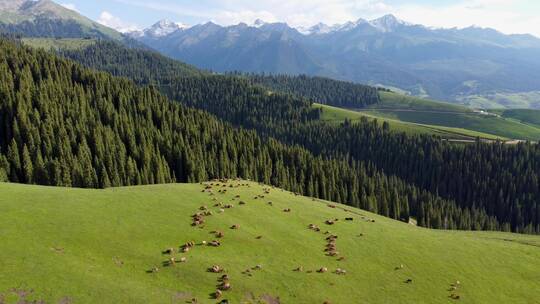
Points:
(499, 179)
(321, 90)
(66, 125)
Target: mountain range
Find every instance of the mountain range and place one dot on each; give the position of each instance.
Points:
(479, 67)
(449, 64)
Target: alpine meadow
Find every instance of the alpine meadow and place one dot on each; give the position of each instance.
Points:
(245, 161)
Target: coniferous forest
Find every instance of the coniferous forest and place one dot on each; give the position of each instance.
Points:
(500, 180)
(66, 125)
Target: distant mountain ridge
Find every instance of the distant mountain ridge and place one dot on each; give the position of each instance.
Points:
(446, 64)
(45, 18)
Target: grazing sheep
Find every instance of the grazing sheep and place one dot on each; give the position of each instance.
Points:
(349, 219)
(341, 259)
(225, 286)
(229, 206)
(287, 210)
(341, 271)
(168, 251)
(455, 297)
(203, 208)
(221, 210)
(242, 203)
(322, 270)
(224, 277)
(183, 259)
(219, 234)
(155, 269)
(299, 269)
(218, 294)
(408, 281)
(329, 222)
(235, 226)
(270, 204)
(214, 243)
(172, 261)
(332, 206)
(258, 267)
(203, 243)
(215, 269)
(259, 237)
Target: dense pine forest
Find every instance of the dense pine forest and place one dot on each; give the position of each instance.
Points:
(321, 90)
(501, 180)
(443, 185)
(65, 125)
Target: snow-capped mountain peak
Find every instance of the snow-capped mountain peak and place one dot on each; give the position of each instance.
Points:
(388, 23)
(163, 28)
(259, 23)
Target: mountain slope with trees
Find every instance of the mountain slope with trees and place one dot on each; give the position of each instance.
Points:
(466, 174)
(65, 125)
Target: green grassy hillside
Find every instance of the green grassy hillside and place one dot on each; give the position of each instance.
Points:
(394, 101)
(100, 246)
(58, 44)
(441, 116)
(338, 115)
(525, 116)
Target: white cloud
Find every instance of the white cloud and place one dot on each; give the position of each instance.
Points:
(108, 19)
(70, 6)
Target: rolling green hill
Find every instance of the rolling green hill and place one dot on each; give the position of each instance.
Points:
(338, 115)
(436, 114)
(54, 44)
(525, 116)
(64, 245)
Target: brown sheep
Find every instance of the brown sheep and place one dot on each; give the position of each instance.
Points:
(219, 234)
(322, 270)
(215, 269)
(168, 251)
(214, 243)
(225, 286)
(224, 277)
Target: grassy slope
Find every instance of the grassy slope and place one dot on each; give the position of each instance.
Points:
(526, 116)
(56, 44)
(94, 246)
(338, 115)
(427, 112)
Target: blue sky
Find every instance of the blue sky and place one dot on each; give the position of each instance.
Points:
(509, 16)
